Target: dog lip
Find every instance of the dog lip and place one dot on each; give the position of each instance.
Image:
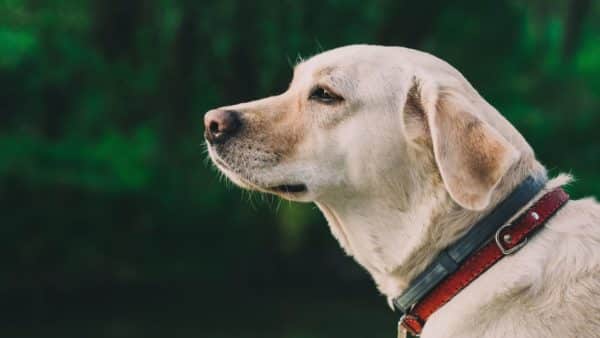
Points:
(221, 162)
(296, 188)
(286, 189)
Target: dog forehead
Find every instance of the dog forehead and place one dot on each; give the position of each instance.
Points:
(339, 59)
(345, 64)
(389, 59)
(364, 60)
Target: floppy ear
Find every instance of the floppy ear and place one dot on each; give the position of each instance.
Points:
(470, 154)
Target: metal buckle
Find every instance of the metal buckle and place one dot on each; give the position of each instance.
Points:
(499, 242)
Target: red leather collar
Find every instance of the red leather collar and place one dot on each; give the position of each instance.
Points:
(508, 239)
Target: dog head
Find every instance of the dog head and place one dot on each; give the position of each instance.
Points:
(365, 120)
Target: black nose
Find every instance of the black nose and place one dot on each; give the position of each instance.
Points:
(220, 125)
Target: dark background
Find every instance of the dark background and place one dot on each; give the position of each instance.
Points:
(112, 222)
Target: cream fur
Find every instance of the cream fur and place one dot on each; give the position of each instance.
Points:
(404, 165)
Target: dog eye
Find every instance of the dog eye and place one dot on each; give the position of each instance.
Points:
(323, 95)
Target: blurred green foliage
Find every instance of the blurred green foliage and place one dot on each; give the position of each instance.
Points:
(103, 176)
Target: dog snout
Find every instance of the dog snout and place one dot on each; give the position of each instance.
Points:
(220, 125)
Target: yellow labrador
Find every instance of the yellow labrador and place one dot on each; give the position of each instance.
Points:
(403, 156)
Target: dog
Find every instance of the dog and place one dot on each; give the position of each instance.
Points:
(403, 156)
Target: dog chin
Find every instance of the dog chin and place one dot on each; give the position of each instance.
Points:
(232, 176)
(291, 191)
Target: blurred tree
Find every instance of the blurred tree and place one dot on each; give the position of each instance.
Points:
(577, 11)
(102, 172)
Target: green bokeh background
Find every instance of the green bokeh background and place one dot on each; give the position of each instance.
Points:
(112, 222)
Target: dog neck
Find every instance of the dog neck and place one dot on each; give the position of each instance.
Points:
(395, 238)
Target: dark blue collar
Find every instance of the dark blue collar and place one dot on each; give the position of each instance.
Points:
(483, 231)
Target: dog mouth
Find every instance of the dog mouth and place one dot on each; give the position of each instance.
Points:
(289, 188)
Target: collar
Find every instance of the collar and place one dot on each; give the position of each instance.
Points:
(487, 242)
